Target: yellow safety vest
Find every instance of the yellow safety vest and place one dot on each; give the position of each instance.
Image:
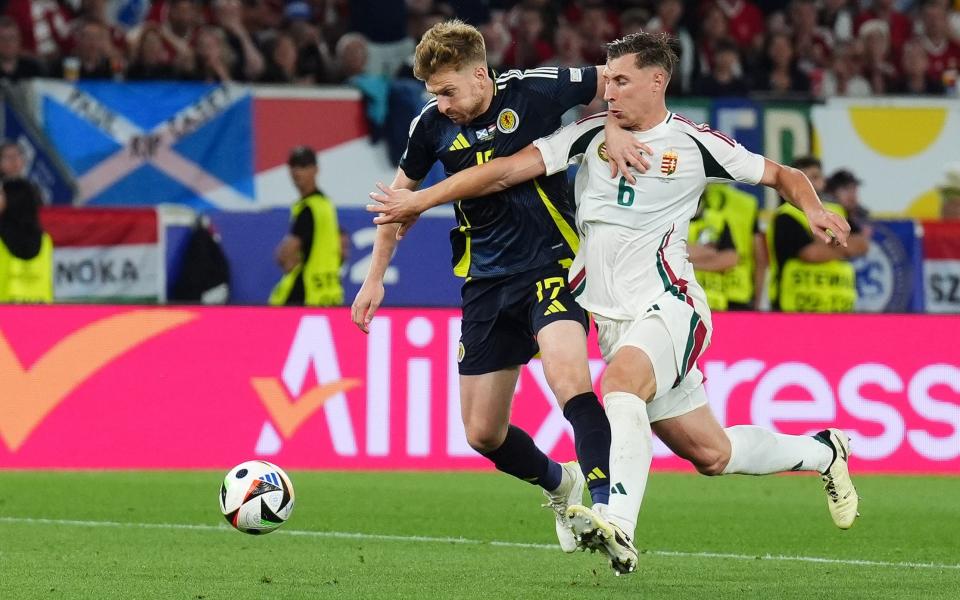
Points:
(739, 209)
(27, 281)
(828, 287)
(321, 272)
(706, 229)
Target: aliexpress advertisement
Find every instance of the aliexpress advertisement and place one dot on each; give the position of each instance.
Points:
(192, 387)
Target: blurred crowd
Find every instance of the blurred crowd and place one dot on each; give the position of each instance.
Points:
(780, 48)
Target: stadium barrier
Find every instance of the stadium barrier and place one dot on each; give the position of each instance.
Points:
(122, 387)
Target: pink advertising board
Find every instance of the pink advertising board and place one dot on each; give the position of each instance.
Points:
(122, 387)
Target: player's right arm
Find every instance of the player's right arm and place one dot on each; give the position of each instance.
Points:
(404, 205)
(371, 293)
(545, 156)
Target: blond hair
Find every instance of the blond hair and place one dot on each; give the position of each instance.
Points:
(448, 45)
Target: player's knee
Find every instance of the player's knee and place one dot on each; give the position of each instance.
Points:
(617, 378)
(484, 439)
(710, 462)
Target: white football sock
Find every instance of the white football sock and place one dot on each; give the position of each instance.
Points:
(631, 450)
(758, 451)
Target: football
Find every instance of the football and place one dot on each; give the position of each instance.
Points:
(256, 497)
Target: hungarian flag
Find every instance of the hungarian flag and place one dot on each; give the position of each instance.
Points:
(106, 255)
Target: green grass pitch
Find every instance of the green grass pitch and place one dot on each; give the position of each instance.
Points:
(469, 535)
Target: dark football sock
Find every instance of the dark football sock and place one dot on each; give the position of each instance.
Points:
(520, 457)
(591, 435)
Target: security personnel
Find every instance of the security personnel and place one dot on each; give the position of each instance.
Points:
(740, 211)
(311, 254)
(808, 276)
(26, 251)
(712, 252)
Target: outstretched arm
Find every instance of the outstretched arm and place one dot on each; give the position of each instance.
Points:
(794, 186)
(404, 205)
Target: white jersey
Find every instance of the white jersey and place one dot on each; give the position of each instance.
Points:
(634, 236)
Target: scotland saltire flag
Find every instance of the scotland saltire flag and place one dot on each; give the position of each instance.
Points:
(152, 143)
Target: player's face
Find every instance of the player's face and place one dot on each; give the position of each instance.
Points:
(459, 93)
(632, 94)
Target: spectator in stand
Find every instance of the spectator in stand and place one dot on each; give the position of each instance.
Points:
(384, 27)
(713, 29)
(669, 19)
(352, 56)
(943, 54)
(812, 44)
(879, 68)
(97, 10)
(496, 38)
(181, 18)
(314, 58)
(844, 77)
(899, 25)
(26, 251)
(569, 48)
(282, 61)
(838, 17)
(781, 76)
(530, 47)
(262, 18)
(215, 61)
(151, 60)
(228, 15)
(43, 25)
(914, 68)
(724, 79)
(91, 57)
(14, 63)
(745, 22)
(597, 27)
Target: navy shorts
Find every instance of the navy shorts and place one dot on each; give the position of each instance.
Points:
(501, 317)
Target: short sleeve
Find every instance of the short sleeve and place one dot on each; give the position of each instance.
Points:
(417, 158)
(726, 159)
(303, 228)
(566, 143)
(563, 87)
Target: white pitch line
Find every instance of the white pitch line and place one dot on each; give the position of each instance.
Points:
(472, 542)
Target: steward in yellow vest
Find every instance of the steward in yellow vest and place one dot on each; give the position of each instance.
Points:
(712, 253)
(310, 254)
(739, 210)
(26, 252)
(819, 280)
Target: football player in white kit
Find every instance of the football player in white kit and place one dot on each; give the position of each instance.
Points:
(631, 272)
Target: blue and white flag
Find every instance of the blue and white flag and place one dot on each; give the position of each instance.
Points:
(152, 143)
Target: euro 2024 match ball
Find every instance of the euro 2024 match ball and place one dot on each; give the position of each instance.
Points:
(256, 497)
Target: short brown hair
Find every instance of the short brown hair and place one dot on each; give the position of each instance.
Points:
(652, 49)
(448, 45)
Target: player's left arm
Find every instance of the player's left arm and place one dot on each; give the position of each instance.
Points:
(794, 186)
(402, 205)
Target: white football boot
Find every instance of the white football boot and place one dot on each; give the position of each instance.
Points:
(569, 492)
(594, 532)
(842, 498)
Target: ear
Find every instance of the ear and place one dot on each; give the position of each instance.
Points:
(659, 81)
(480, 72)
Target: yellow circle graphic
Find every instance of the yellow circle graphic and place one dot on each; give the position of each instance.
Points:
(898, 132)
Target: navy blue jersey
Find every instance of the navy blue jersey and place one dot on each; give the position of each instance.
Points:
(529, 225)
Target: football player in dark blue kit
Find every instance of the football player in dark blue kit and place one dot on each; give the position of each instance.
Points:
(514, 255)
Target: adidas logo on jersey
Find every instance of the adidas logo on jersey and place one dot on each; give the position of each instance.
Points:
(459, 143)
(555, 307)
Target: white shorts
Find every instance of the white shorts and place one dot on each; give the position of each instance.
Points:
(673, 333)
